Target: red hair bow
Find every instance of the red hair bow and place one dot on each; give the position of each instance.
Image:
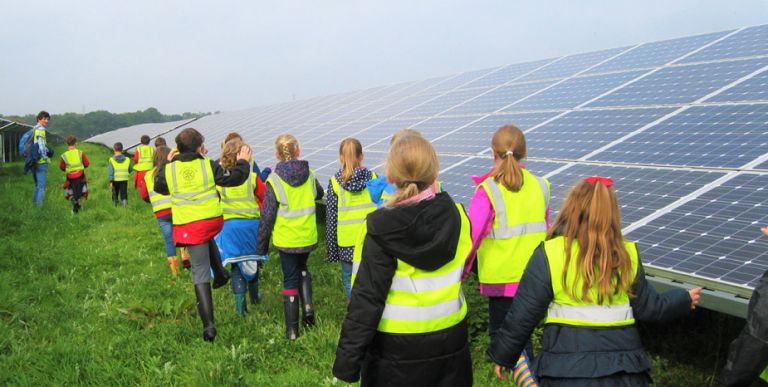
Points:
(605, 180)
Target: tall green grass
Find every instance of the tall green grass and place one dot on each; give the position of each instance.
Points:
(88, 299)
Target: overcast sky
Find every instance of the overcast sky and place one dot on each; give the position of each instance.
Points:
(202, 56)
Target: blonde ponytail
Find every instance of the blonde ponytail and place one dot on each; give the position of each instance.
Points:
(412, 165)
(509, 145)
(286, 147)
(350, 152)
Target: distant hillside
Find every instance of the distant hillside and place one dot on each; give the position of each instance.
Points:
(101, 121)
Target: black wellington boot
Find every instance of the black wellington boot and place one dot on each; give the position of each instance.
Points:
(205, 308)
(220, 274)
(307, 308)
(291, 306)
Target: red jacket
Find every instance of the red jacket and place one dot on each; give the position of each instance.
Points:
(75, 174)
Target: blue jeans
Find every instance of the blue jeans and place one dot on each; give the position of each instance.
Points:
(41, 173)
(346, 277)
(166, 227)
(292, 265)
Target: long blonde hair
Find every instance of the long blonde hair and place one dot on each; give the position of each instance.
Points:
(412, 165)
(286, 147)
(229, 153)
(403, 133)
(591, 216)
(509, 145)
(350, 152)
(161, 157)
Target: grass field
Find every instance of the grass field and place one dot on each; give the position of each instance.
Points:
(88, 299)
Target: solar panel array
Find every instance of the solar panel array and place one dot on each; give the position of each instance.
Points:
(681, 126)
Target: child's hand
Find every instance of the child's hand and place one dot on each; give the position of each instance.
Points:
(245, 153)
(695, 294)
(500, 370)
(172, 154)
(765, 230)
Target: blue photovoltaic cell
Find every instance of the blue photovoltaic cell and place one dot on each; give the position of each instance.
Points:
(753, 89)
(430, 129)
(574, 92)
(333, 137)
(381, 132)
(460, 80)
(443, 102)
(680, 84)
(657, 53)
(749, 42)
(640, 191)
(498, 98)
(506, 74)
(716, 235)
(402, 105)
(477, 137)
(705, 136)
(578, 133)
(324, 161)
(572, 64)
(762, 166)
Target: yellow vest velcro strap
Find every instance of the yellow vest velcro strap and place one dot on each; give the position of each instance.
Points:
(351, 221)
(422, 313)
(198, 200)
(423, 284)
(598, 315)
(240, 210)
(520, 229)
(295, 213)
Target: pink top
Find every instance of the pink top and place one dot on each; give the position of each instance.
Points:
(427, 194)
(481, 216)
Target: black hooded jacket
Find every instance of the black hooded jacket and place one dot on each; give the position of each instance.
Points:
(424, 235)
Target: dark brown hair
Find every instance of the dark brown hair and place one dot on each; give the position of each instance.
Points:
(71, 140)
(189, 140)
(160, 141)
(118, 146)
(145, 140)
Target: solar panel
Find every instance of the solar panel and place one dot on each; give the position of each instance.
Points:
(680, 125)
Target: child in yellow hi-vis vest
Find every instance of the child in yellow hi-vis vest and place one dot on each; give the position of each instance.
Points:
(190, 178)
(74, 162)
(288, 218)
(120, 169)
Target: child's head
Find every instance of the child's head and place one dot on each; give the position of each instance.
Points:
(189, 141)
(161, 156)
(508, 146)
(43, 116)
(71, 140)
(591, 215)
(229, 153)
(350, 157)
(403, 133)
(412, 166)
(286, 147)
(145, 140)
(160, 141)
(118, 147)
(232, 136)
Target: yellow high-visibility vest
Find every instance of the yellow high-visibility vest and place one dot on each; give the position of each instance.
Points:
(295, 225)
(565, 310)
(121, 169)
(73, 159)
(38, 133)
(518, 228)
(240, 202)
(353, 207)
(146, 158)
(421, 301)
(193, 190)
(159, 201)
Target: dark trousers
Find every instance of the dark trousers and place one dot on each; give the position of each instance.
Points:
(498, 307)
(292, 265)
(119, 188)
(76, 185)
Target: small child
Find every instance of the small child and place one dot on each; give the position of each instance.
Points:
(142, 161)
(190, 178)
(588, 285)
(161, 206)
(407, 322)
(74, 162)
(348, 203)
(119, 172)
(288, 218)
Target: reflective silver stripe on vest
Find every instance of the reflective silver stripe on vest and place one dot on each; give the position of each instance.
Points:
(158, 201)
(593, 313)
(344, 206)
(350, 221)
(424, 284)
(188, 194)
(544, 189)
(285, 213)
(248, 195)
(240, 210)
(355, 267)
(423, 313)
(504, 231)
(198, 200)
(236, 200)
(282, 209)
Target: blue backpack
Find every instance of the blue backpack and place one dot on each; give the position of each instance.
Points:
(25, 142)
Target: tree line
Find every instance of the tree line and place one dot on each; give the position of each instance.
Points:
(90, 124)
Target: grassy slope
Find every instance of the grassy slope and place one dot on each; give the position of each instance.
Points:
(88, 299)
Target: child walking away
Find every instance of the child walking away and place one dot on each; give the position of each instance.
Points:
(190, 179)
(237, 240)
(288, 217)
(74, 162)
(588, 284)
(406, 324)
(508, 213)
(161, 205)
(142, 161)
(119, 171)
(348, 203)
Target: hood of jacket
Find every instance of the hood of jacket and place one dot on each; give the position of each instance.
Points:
(293, 172)
(119, 158)
(357, 182)
(424, 235)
